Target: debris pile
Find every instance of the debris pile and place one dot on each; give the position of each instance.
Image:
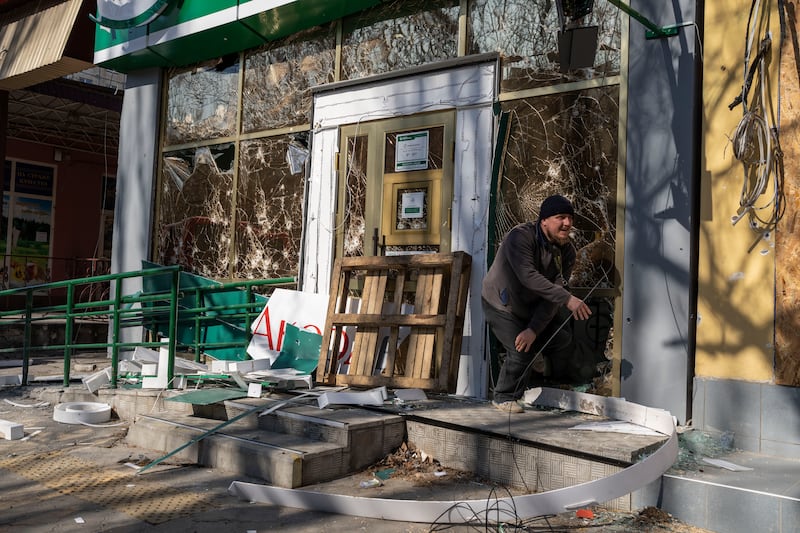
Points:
(694, 445)
(410, 463)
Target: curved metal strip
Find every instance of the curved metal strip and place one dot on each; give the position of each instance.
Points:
(501, 509)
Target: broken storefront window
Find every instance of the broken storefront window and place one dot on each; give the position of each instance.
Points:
(194, 218)
(198, 204)
(398, 35)
(269, 209)
(567, 144)
(354, 201)
(278, 79)
(202, 101)
(525, 34)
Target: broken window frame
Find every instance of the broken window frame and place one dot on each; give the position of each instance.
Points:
(465, 9)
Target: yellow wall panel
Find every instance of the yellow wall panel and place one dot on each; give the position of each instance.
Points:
(736, 269)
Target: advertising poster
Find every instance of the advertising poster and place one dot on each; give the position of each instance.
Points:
(26, 225)
(29, 241)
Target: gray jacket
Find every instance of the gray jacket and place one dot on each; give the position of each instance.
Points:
(528, 277)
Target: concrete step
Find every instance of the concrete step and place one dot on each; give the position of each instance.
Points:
(280, 460)
(766, 498)
(292, 447)
(371, 434)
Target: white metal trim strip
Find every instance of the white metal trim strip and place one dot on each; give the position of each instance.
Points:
(255, 7)
(120, 50)
(502, 509)
(190, 27)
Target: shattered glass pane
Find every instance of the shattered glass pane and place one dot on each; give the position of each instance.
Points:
(525, 34)
(202, 101)
(354, 202)
(269, 211)
(397, 35)
(566, 144)
(194, 212)
(279, 76)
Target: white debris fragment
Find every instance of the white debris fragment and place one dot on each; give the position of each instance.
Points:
(31, 435)
(410, 395)
(37, 404)
(11, 430)
(616, 426)
(97, 380)
(11, 380)
(370, 397)
(254, 390)
(727, 465)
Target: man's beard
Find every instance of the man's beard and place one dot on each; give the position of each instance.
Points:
(561, 241)
(555, 237)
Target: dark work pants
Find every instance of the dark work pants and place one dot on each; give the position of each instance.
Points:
(516, 371)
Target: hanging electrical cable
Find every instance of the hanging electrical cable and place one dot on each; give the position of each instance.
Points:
(756, 141)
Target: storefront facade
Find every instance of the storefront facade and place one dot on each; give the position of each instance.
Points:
(264, 138)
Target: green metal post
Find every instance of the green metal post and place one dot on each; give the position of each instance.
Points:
(197, 322)
(68, 333)
(655, 31)
(115, 331)
(173, 327)
(503, 133)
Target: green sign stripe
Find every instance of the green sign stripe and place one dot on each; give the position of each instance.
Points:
(202, 29)
(146, 16)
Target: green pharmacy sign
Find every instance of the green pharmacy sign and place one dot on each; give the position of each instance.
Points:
(120, 14)
(137, 34)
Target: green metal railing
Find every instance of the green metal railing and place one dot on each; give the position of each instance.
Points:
(173, 304)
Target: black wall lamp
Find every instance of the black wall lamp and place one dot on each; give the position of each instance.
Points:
(577, 43)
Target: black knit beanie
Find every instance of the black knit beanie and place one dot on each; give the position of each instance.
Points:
(555, 205)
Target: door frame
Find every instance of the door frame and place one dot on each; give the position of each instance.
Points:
(379, 198)
(469, 87)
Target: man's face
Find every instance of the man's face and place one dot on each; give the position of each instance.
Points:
(557, 227)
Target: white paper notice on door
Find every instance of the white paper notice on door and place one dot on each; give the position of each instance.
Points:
(412, 204)
(411, 151)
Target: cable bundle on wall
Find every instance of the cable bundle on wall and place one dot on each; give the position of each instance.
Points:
(756, 140)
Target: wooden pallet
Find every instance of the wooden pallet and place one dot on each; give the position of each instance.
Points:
(427, 358)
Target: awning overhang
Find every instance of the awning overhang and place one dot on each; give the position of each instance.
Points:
(44, 45)
(198, 30)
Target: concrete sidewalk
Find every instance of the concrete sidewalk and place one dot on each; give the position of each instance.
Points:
(65, 478)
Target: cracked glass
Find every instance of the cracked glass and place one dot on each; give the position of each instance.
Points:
(202, 101)
(566, 144)
(354, 202)
(525, 34)
(269, 209)
(194, 219)
(398, 35)
(278, 79)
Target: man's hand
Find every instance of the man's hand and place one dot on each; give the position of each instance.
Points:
(579, 309)
(524, 340)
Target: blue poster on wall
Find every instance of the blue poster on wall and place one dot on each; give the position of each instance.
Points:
(33, 179)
